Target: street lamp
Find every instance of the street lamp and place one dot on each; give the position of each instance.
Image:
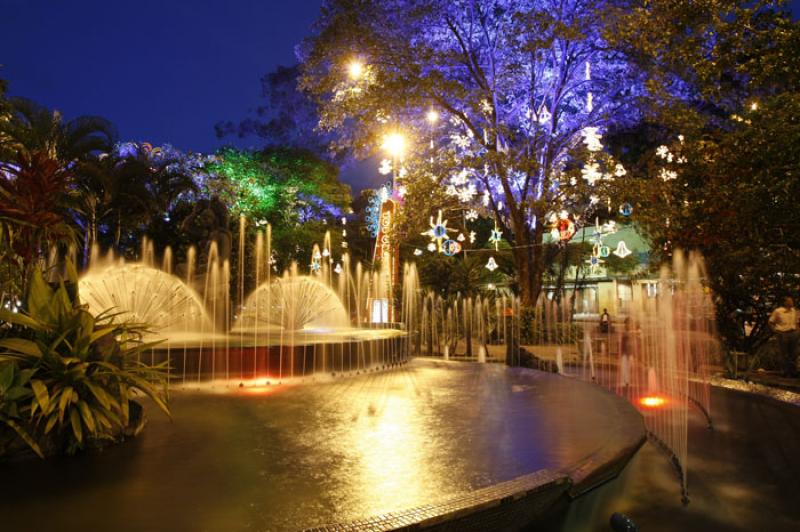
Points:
(395, 145)
(355, 69)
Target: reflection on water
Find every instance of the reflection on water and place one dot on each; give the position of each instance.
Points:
(307, 455)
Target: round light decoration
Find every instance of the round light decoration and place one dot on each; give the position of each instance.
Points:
(451, 247)
(605, 251)
(566, 229)
(626, 209)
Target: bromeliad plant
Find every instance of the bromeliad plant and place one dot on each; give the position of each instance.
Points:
(68, 378)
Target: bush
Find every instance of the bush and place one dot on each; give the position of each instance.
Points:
(535, 329)
(68, 378)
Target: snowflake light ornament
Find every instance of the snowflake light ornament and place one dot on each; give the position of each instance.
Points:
(386, 167)
(591, 137)
(668, 175)
(591, 173)
(471, 215)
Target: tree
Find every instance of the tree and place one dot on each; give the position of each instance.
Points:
(33, 128)
(282, 186)
(132, 191)
(518, 85)
(288, 118)
(716, 163)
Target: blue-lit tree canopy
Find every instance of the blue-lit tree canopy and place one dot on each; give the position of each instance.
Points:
(504, 103)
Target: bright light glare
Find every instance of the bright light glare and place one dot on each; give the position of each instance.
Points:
(652, 401)
(355, 69)
(394, 144)
(432, 116)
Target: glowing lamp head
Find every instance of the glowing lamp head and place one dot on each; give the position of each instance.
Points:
(394, 144)
(432, 117)
(355, 69)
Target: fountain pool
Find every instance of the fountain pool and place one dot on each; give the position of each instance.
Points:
(295, 457)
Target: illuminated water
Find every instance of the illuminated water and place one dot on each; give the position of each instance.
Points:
(285, 458)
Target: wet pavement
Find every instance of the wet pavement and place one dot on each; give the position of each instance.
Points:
(285, 458)
(743, 476)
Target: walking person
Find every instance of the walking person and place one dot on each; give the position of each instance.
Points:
(605, 322)
(628, 343)
(783, 322)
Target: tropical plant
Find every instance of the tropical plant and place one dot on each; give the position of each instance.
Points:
(35, 207)
(35, 128)
(74, 375)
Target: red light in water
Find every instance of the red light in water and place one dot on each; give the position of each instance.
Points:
(652, 401)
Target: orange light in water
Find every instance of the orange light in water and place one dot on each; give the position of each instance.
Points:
(652, 401)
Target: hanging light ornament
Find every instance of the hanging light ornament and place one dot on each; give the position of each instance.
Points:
(496, 237)
(417, 252)
(338, 268)
(622, 250)
(461, 237)
(451, 247)
(594, 263)
(492, 264)
(438, 231)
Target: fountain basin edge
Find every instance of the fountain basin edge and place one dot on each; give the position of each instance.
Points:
(523, 501)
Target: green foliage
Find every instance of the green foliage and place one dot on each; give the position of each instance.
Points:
(67, 378)
(724, 75)
(277, 185)
(535, 329)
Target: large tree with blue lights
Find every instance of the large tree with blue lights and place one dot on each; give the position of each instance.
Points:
(520, 89)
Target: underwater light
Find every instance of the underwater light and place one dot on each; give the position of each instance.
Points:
(652, 401)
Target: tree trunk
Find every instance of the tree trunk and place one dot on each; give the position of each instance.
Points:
(528, 254)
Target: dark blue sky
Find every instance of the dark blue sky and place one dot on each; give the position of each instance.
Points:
(162, 71)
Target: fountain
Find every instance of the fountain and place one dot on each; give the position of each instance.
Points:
(293, 303)
(291, 326)
(144, 294)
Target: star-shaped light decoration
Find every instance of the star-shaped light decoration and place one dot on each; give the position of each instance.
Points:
(496, 237)
(431, 247)
(316, 260)
(438, 231)
(622, 250)
(594, 263)
(492, 264)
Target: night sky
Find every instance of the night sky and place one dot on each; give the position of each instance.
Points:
(162, 71)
